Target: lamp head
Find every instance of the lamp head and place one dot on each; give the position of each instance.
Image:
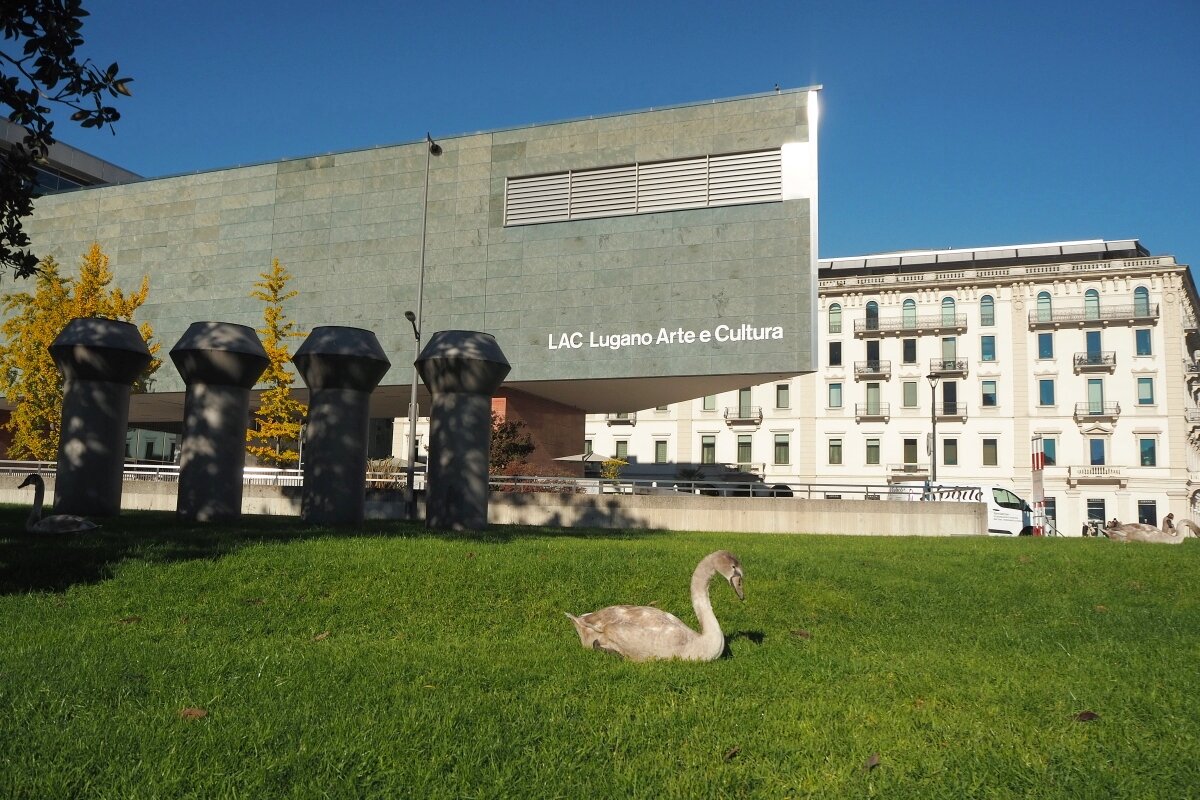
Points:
(933, 379)
(410, 316)
(434, 147)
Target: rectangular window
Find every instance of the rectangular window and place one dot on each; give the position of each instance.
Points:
(783, 395)
(991, 452)
(587, 446)
(910, 451)
(835, 395)
(909, 350)
(708, 449)
(1141, 339)
(662, 408)
(987, 348)
(835, 354)
(1096, 452)
(710, 402)
(1050, 448)
(622, 449)
(835, 451)
(783, 448)
(1052, 508)
(910, 394)
(950, 452)
(1046, 392)
(744, 444)
(1045, 345)
(1148, 450)
(1145, 391)
(1095, 510)
(660, 451)
(1148, 512)
(989, 394)
(872, 451)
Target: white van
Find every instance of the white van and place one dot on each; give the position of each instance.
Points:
(1008, 515)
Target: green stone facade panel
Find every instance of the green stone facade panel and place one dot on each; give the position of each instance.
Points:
(348, 227)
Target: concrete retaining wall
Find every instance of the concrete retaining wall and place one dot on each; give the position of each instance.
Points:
(656, 512)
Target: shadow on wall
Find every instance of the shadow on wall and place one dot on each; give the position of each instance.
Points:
(590, 511)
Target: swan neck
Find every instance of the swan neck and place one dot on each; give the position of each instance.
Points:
(39, 496)
(701, 602)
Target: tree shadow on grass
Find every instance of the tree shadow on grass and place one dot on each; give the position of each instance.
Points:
(53, 563)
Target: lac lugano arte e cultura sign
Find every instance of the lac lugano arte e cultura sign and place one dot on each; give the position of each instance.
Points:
(745, 332)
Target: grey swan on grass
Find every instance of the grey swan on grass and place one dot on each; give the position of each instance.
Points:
(1170, 533)
(58, 523)
(643, 633)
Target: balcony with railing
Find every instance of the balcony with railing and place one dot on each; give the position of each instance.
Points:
(907, 472)
(948, 367)
(1191, 369)
(872, 411)
(951, 411)
(910, 325)
(743, 415)
(1095, 316)
(1095, 474)
(623, 418)
(1089, 411)
(1192, 417)
(872, 370)
(1096, 361)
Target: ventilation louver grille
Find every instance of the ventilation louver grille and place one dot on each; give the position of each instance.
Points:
(645, 188)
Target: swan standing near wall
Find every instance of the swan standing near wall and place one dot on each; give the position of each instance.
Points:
(642, 633)
(58, 523)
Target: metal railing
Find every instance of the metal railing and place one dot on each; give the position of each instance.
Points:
(948, 366)
(621, 419)
(876, 368)
(1104, 359)
(734, 414)
(950, 410)
(251, 476)
(1131, 312)
(872, 410)
(930, 323)
(1088, 409)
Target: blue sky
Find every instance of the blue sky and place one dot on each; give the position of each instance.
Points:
(945, 124)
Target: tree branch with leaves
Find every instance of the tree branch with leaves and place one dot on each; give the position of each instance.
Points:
(39, 69)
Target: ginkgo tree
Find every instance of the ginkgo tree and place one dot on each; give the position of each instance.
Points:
(28, 378)
(275, 436)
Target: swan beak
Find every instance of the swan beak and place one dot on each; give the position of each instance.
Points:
(736, 582)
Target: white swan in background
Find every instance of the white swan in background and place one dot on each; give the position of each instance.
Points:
(1140, 532)
(58, 523)
(642, 633)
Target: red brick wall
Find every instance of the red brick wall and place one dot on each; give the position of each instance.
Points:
(556, 429)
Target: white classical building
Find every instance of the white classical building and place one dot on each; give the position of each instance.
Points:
(1087, 344)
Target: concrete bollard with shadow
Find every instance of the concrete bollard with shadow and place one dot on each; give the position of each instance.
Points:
(220, 362)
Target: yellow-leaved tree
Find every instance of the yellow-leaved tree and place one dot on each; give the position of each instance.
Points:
(28, 378)
(275, 438)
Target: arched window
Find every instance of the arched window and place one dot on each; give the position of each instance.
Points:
(835, 318)
(1141, 301)
(987, 310)
(947, 310)
(910, 313)
(872, 316)
(1045, 311)
(1091, 304)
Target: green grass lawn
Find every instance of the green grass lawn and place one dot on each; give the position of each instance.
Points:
(391, 662)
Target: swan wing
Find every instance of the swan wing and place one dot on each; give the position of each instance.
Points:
(637, 632)
(63, 523)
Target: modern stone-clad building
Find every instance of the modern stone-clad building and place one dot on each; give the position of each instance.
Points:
(620, 261)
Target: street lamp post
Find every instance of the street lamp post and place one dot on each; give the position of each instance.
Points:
(933, 379)
(432, 148)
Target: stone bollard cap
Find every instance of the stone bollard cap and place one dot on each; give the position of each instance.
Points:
(97, 349)
(338, 357)
(221, 354)
(467, 362)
